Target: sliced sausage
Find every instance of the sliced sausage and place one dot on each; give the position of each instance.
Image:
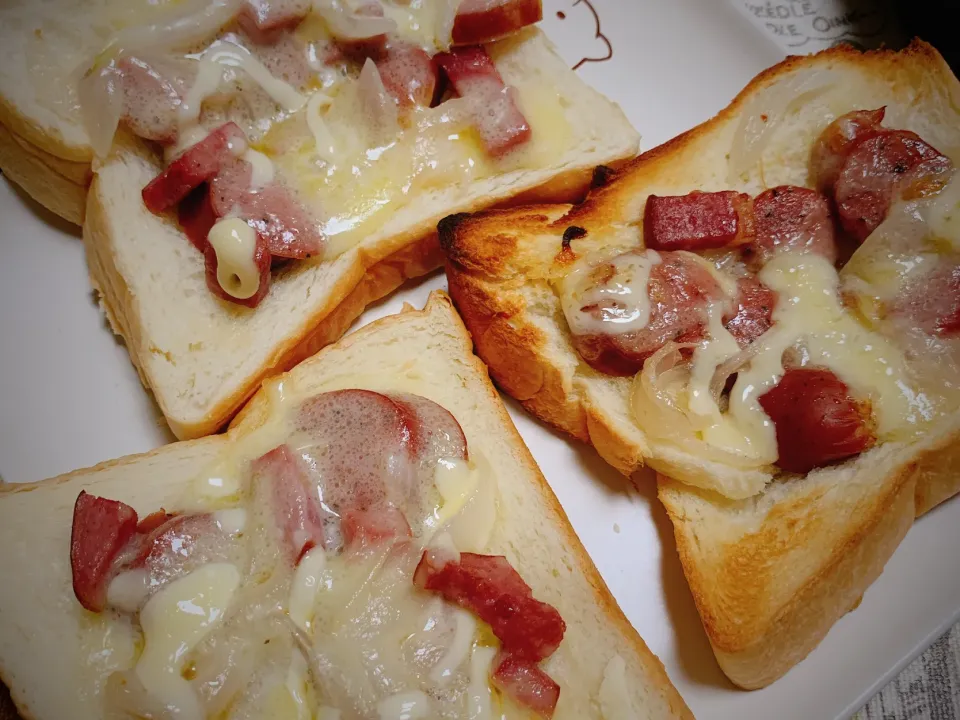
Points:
(101, 529)
(527, 684)
(830, 149)
(496, 116)
(261, 258)
(490, 588)
(697, 221)
(794, 218)
(199, 164)
(273, 211)
(817, 420)
(408, 74)
(754, 316)
(481, 21)
(265, 20)
(932, 301)
(680, 291)
(880, 166)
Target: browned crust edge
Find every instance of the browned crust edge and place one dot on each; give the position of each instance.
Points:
(514, 349)
(255, 413)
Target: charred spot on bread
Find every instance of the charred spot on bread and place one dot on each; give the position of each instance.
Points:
(447, 229)
(566, 254)
(602, 175)
(572, 233)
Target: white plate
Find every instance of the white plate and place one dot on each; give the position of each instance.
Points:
(69, 396)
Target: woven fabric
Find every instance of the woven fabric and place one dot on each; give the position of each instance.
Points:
(928, 689)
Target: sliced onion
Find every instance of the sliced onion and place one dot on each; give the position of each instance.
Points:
(347, 25)
(729, 366)
(101, 106)
(773, 103)
(380, 110)
(653, 401)
(446, 17)
(125, 696)
(664, 376)
(193, 22)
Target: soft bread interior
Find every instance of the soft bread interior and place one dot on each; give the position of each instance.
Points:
(43, 47)
(499, 265)
(46, 639)
(202, 357)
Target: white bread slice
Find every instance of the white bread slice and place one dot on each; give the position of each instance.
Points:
(59, 185)
(42, 645)
(202, 357)
(43, 146)
(767, 592)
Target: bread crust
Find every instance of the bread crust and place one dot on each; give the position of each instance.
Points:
(376, 268)
(440, 315)
(59, 185)
(496, 267)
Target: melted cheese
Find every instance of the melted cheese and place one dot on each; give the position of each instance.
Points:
(174, 621)
(459, 649)
(230, 54)
(232, 521)
(306, 584)
(262, 166)
(479, 696)
(322, 138)
(809, 312)
(356, 177)
(468, 511)
(209, 75)
(409, 705)
(235, 244)
(186, 139)
(809, 316)
(942, 214)
(614, 695)
(298, 686)
(357, 608)
(128, 590)
(627, 291)
(719, 346)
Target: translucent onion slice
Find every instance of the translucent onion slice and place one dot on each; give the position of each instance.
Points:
(729, 367)
(446, 17)
(656, 400)
(765, 113)
(101, 106)
(380, 111)
(193, 22)
(347, 25)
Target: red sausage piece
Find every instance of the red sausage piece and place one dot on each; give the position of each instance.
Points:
(817, 421)
(698, 221)
(792, 218)
(496, 116)
(197, 165)
(831, 148)
(101, 529)
(878, 167)
(480, 21)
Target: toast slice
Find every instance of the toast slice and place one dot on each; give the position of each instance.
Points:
(45, 634)
(773, 572)
(202, 357)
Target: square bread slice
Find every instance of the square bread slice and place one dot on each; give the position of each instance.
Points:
(203, 357)
(46, 638)
(770, 574)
